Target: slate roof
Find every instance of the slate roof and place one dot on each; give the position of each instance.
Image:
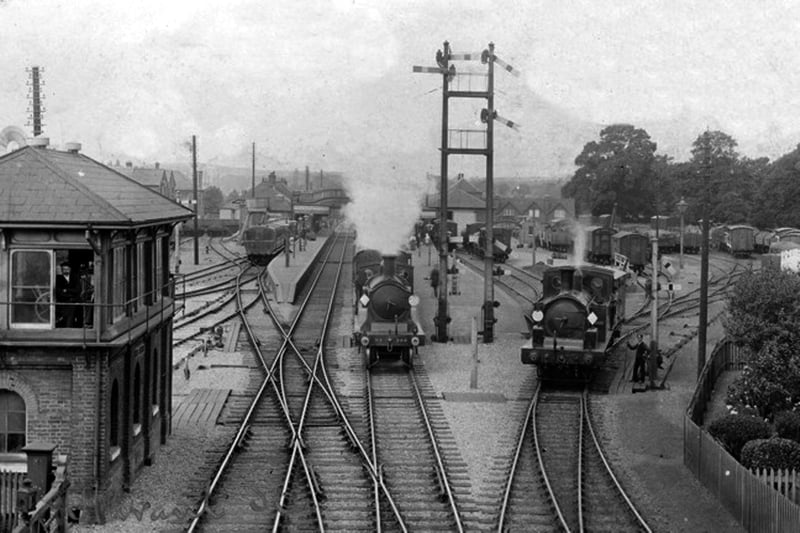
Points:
(44, 186)
(460, 195)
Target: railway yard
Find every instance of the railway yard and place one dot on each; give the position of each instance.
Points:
(448, 445)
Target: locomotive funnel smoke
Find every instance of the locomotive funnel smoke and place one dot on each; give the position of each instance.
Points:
(384, 209)
(579, 239)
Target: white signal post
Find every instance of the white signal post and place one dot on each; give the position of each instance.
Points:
(682, 205)
(654, 316)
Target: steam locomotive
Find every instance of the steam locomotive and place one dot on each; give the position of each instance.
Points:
(264, 241)
(384, 290)
(576, 320)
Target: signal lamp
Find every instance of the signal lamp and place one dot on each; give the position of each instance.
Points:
(537, 316)
(415, 341)
(364, 340)
(413, 300)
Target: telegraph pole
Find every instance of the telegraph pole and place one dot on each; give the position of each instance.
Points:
(194, 187)
(703, 325)
(253, 173)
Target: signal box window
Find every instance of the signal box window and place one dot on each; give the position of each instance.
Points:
(12, 421)
(31, 288)
(118, 283)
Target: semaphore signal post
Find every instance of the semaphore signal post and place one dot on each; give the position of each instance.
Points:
(488, 115)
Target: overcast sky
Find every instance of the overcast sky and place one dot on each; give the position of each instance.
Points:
(329, 83)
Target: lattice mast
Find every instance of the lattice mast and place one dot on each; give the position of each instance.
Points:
(36, 99)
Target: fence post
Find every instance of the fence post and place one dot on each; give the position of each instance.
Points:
(40, 464)
(473, 378)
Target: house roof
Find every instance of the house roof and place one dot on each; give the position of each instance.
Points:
(151, 177)
(44, 186)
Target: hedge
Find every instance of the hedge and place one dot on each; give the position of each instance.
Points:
(734, 431)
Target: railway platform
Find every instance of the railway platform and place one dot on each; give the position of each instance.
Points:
(465, 298)
(286, 271)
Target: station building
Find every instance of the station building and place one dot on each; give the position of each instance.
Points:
(85, 359)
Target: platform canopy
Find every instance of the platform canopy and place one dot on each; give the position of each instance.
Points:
(311, 209)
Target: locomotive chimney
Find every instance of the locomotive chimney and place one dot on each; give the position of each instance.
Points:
(577, 280)
(388, 265)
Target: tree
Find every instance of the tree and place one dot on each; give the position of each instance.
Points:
(778, 198)
(617, 169)
(233, 196)
(212, 200)
(730, 182)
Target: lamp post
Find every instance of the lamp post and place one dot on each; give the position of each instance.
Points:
(682, 205)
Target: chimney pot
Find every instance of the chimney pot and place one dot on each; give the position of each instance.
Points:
(39, 142)
(73, 147)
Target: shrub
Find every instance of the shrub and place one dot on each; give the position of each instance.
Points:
(770, 382)
(787, 425)
(777, 453)
(736, 430)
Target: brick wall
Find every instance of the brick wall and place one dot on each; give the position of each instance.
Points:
(67, 393)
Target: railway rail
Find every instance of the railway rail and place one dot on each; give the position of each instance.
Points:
(559, 478)
(524, 285)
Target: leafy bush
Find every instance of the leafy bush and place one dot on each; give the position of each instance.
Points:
(764, 306)
(770, 383)
(787, 425)
(777, 453)
(736, 430)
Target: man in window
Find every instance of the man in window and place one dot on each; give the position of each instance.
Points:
(68, 292)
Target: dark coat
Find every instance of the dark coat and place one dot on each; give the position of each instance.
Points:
(641, 349)
(68, 291)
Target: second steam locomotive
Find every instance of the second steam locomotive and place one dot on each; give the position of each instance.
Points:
(577, 318)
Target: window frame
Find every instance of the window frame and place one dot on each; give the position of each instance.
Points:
(51, 299)
(118, 276)
(5, 433)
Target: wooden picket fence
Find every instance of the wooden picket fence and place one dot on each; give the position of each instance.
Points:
(10, 482)
(783, 481)
(762, 502)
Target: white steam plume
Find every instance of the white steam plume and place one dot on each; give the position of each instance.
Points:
(384, 210)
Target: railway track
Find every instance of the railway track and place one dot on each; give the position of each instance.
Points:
(559, 479)
(522, 284)
(404, 433)
(259, 468)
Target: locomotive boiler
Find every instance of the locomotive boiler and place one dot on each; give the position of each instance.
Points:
(387, 323)
(576, 320)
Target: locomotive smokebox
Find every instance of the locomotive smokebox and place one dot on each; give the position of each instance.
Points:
(389, 265)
